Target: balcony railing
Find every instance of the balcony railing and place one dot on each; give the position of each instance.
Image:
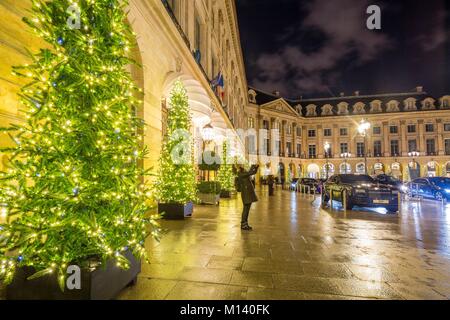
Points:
(188, 44)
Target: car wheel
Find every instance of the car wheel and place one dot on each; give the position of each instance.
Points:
(392, 210)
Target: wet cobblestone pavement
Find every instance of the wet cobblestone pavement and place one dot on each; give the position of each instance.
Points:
(299, 251)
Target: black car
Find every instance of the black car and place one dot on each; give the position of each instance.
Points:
(430, 188)
(390, 181)
(360, 190)
(313, 184)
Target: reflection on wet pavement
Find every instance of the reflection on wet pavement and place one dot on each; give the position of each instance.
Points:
(299, 251)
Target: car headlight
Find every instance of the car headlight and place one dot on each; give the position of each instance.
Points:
(404, 188)
(447, 190)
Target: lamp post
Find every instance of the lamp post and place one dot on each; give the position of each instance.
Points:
(413, 155)
(346, 155)
(327, 148)
(363, 128)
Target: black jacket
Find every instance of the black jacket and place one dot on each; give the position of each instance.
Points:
(247, 189)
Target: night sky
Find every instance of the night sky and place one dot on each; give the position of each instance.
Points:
(319, 48)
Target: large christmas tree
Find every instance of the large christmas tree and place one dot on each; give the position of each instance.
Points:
(74, 189)
(226, 176)
(176, 179)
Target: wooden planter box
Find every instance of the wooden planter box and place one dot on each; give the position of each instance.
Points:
(101, 283)
(176, 211)
(206, 198)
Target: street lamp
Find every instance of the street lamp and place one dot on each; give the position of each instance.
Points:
(346, 156)
(363, 128)
(327, 148)
(208, 133)
(414, 154)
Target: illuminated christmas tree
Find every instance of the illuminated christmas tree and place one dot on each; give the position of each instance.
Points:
(74, 186)
(226, 175)
(176, 179)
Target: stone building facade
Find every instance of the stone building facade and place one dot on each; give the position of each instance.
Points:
(176, 39)
(401, 125)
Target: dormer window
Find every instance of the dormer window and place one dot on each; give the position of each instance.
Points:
(428, 104)
(327, 110)
(375, 106)
(392, 106)
(410, 104)
(311, 110)
(445, 102)
(359, 108)
(342, 108)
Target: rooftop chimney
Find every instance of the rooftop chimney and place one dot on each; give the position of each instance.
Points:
(357, 93)
(276, 93)
(419, 89)
(342, 94)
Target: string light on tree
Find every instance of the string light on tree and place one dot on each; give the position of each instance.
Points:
(74, 189)
(176, 179)
(226, 176)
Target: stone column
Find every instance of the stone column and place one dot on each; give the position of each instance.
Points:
(283, 137)
(294, 139)
(386, 141)
(320, 149)
(336, 146)
(305, 141)
(440, 139)
(403, 139)
(422, 146)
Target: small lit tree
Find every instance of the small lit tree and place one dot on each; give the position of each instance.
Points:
(226, 176)
(176, 179)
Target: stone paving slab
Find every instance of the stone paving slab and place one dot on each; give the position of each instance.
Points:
(298, 251)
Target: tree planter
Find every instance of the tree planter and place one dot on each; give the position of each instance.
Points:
(176, 211)
(225, 194)
(208, 198)
(96, 284)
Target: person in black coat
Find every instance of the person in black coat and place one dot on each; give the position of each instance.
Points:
(248, 193)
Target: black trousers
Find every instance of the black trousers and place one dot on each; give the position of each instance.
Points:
(245, 214)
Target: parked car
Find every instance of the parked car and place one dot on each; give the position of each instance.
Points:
(391, 181)
(430, 188)
(309, 182)
(362, 191)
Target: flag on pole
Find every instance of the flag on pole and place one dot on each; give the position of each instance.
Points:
(218, 85)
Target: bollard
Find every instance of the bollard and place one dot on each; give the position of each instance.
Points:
(331, 199)
(344, 200)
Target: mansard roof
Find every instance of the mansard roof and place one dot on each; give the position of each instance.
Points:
(263, 98)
